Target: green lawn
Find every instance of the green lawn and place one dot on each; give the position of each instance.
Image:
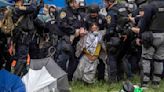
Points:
(106, 87)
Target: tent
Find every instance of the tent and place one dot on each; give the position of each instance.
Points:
(58, 3)
(10, 82)
(39, 81)
(99, 2)
(46, 73)
(61, 3)
(4, 3)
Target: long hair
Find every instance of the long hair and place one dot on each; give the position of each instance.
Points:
(7, 22)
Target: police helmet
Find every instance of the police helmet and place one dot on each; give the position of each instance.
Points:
(94, 8)
(69, 1)
(141, 7)
(139, 2)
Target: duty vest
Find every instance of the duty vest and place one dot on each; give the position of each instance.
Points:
(157, 24)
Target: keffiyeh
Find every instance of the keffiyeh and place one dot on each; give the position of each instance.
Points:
(91, 42)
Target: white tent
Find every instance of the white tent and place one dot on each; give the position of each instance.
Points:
(45, 76)
(39, 81)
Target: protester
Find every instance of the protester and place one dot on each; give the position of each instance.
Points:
(90, 45)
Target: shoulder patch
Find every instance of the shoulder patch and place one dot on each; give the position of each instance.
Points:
(122, 9)
(160, 9)
(63, 14)
(108, 19)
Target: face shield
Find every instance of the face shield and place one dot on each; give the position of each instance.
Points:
(108, 3)
(26, 2)
(139, 2)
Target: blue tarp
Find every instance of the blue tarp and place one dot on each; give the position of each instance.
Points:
(10, 82)
(99, 2)
(4, 3)
(58, 3)
(61, 3)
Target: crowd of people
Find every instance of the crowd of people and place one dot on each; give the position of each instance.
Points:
(112, 43)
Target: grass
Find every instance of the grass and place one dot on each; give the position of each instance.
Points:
(100, 86)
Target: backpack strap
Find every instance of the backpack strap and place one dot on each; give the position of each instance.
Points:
(19, 20)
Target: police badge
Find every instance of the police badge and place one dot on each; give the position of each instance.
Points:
(63, 15)
(108, 19)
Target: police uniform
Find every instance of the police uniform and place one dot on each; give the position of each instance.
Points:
(22, 37)
(100, 19)
(5, 56)
(68, 21)
(154, 53)
(115, 67)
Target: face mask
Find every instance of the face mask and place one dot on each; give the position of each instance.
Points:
(96, 33)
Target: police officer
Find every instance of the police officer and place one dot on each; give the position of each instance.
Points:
(5, 56)
(94, 16)
(115, 26)
(111, 20)
(22, 33)
(69, 23)
(130, 5)
(152, 32)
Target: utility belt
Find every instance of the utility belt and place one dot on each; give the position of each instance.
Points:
(157, 31)
(66, 38)
(114, 41)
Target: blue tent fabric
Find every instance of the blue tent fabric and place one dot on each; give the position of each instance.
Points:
(61, 3)
(58, 3)
(11, 1)
(99, 2)
(4, 3)
(10, 82)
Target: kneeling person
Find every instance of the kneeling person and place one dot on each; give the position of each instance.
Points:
(90, 46)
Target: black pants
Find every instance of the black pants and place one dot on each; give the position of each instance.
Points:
(101, 70)
(22, 50)
(5, 58)
(65, 53)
